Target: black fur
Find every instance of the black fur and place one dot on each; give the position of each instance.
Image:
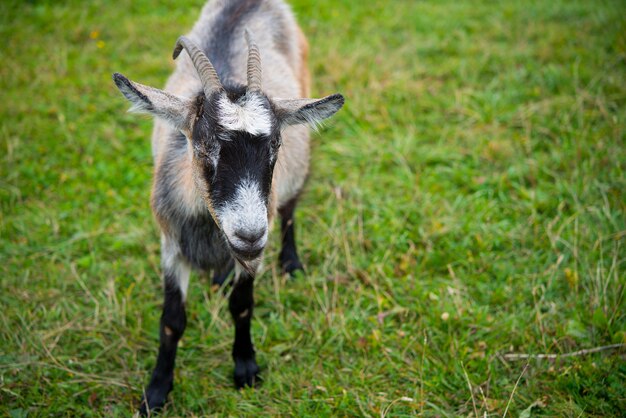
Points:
(221, 274)
(202, 243)
(218, 47)
(173, 323)
(240, 304)
(288, 257)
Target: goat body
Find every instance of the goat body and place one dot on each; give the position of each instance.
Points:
(229, 151)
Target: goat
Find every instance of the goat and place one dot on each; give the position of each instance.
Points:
(230, 148)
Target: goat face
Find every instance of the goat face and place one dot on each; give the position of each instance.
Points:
(235, 141)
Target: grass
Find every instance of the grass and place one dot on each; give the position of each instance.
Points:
(469, 201)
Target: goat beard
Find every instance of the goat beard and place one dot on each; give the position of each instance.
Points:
(247, 265)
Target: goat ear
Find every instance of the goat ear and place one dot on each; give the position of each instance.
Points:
(307, 111)
(173, 109)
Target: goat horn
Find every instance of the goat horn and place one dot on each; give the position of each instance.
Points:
(254, 64)
(208, 76)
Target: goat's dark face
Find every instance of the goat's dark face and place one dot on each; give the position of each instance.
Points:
(235, 143)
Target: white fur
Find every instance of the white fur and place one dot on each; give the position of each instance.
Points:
(246, 213)
(173, 263)
(248, 114)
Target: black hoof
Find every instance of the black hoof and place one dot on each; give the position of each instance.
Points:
(246, 373)
(154, 399)
(291, 266)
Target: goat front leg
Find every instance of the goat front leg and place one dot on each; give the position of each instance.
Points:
(240, 304)
(288, 258)
(173, 322)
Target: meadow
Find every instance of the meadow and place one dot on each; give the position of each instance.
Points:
(467, 203)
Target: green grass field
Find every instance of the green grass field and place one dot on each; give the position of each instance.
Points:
(468, 201)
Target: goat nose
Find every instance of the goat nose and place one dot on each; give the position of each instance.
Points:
(250, 237)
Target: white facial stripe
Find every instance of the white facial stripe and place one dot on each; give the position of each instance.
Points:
(249, 115)
(245, 213)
